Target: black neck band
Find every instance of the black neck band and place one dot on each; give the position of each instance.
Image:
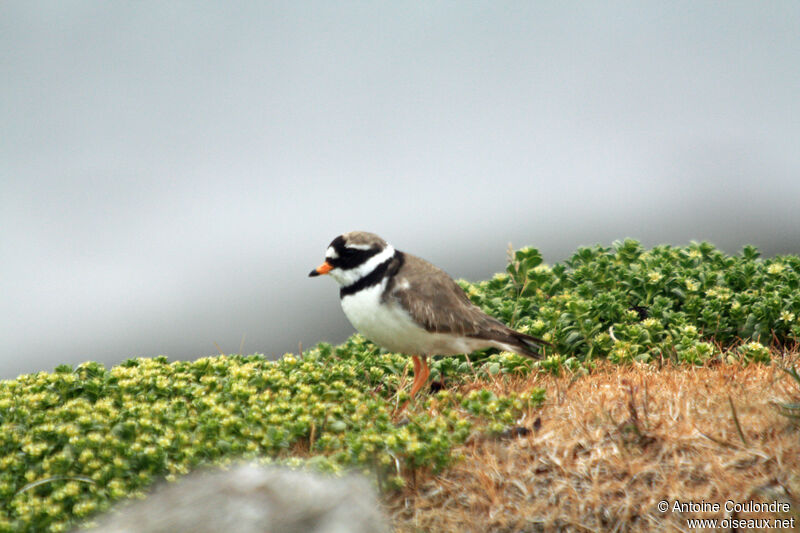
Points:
(373, 278)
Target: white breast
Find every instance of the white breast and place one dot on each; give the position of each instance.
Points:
(391, 327)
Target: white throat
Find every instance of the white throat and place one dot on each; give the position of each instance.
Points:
(348, 277)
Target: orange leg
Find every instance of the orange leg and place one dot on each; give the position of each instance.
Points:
(421, 373)
(417, 365)
(426, 369)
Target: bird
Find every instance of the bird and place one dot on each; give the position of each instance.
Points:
(407, 305)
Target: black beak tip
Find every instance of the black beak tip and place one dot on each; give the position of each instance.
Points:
(313, 273)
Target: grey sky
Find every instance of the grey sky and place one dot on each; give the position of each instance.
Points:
(171, 171)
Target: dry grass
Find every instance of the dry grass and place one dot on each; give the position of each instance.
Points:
(606, 448)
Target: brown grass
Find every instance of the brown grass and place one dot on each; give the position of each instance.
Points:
(607, 447)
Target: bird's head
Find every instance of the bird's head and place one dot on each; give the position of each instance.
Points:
(352, 256)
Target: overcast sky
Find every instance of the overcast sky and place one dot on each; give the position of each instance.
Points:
(171, 171)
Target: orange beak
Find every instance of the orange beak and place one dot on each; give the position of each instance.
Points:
(324, 268)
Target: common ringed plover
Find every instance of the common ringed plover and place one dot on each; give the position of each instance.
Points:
(405, 304)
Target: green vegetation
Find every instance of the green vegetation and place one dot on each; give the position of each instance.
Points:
(697, 300)
(71, 442)
(75, 440)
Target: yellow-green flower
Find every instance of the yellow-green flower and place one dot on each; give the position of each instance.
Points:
(654, 276)
(775, 268)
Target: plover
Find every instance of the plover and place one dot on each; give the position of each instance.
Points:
(405, 304)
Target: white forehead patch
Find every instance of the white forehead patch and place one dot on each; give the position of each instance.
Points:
(330, 253)
(358, 246)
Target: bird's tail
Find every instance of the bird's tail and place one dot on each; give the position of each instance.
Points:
(527, 345)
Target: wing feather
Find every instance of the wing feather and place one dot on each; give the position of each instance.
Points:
(438, 304)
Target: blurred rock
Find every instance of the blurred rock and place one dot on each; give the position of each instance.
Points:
(252, 499)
